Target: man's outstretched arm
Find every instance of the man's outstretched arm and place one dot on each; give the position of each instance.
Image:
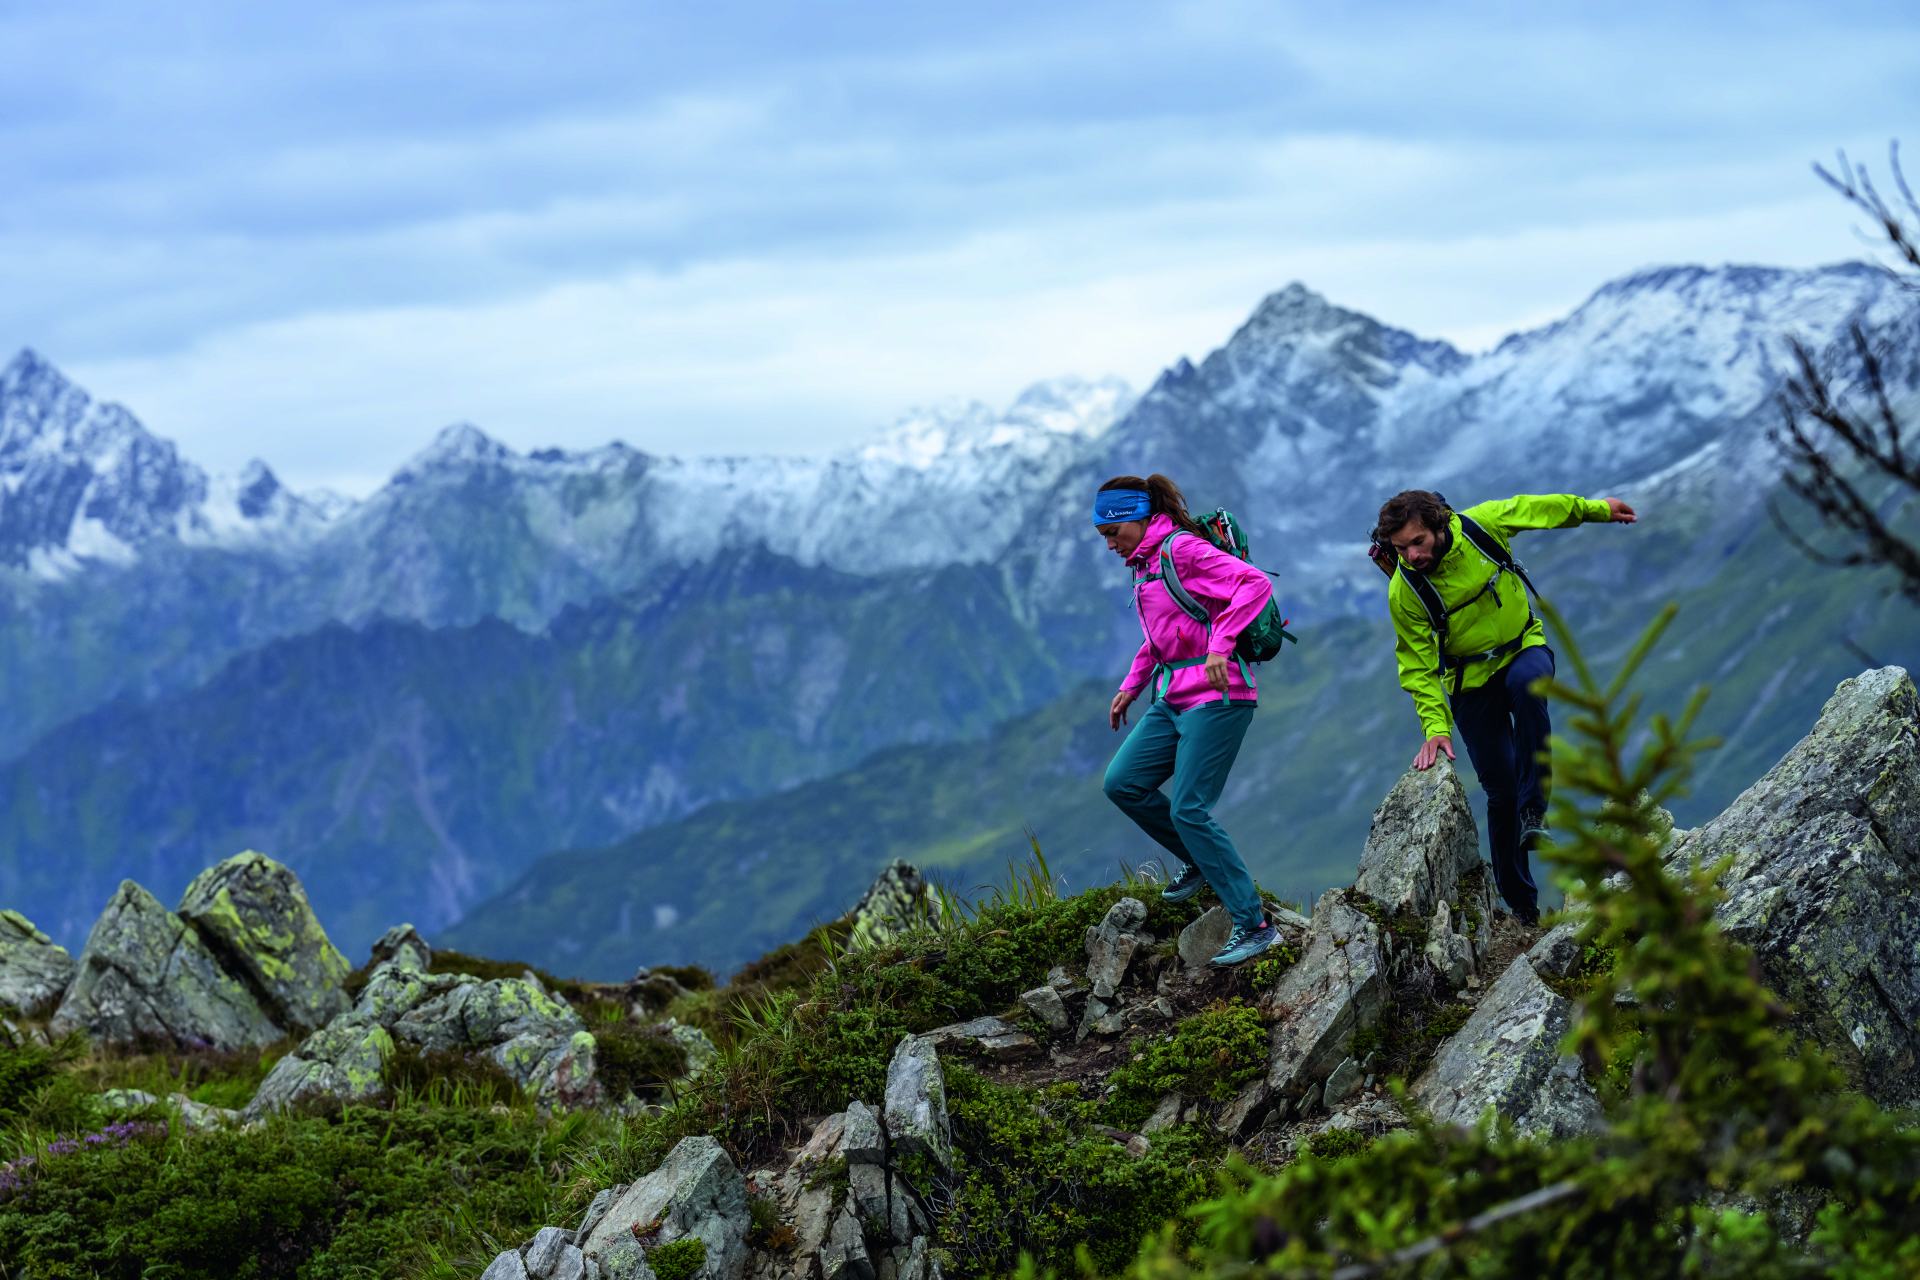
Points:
(1549, 511)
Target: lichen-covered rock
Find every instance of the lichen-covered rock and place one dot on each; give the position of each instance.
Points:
(699, 1049)
(1825, 851)
(1337, 988)
(537, 1039)
(1422, 844)
(254, 914)
(696, 1191)
(344, 1060)
(402, 947)
(1450, 953)
(1111, 944)
(916, 1102)
(1045, 1004)
(1507, 1057)
(34, 970)
(145, 976)
(898, 898)
(392, 991)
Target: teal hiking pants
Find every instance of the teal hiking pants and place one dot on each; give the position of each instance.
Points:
(1196, 749)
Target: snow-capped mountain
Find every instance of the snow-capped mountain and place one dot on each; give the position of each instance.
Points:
(85, 482)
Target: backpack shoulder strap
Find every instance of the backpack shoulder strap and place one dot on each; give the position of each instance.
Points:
(1171, 577)
(1430, 600)
(1492, 548)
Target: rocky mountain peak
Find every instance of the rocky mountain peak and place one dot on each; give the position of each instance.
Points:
(457, 447)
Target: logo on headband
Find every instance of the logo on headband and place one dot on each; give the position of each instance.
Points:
(1112, 506)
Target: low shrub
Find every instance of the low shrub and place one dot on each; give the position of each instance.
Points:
(1207, 1057)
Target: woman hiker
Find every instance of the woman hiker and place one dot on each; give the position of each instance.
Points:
(1201, 698)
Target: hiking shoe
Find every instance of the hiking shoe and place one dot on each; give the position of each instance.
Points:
(1184, 885)
(1244, 944)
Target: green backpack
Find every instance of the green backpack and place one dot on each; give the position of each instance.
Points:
(1264, 636)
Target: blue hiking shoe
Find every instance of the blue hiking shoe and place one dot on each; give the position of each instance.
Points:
(1184, 885)
(1245, 944)
(1533, 829)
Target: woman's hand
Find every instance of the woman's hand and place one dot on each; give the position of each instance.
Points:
(1117, 713)
(1216, 670)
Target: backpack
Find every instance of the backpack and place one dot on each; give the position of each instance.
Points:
(1438, 615)
(1267, 633)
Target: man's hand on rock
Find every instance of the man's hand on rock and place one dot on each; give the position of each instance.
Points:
(1430, 752)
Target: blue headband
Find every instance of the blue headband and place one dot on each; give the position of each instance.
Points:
(1116, 506)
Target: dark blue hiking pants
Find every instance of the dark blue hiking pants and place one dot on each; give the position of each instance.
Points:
(1505, 730)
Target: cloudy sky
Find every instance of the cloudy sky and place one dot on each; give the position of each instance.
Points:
(317, 233)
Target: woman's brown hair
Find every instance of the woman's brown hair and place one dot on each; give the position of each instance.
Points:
(1163, 496)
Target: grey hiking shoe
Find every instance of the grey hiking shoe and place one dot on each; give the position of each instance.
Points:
(1244, 944)
(1533, 828)
(1184, 885)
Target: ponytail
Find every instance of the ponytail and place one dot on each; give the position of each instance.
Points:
(1164, 497)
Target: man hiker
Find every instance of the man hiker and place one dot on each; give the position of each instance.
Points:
(1466, 640)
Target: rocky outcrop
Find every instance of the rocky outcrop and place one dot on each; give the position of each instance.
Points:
(1337, 988)
(1422, 844)
(34, 970)
(899, 898)
(254, 914)
(145, 976)
(536, 1038)
(697, 1192)
(1825, 851)
(916, 1102)
(1111, 945)
(1507, 1057)
(402, 947)
(345, 1061)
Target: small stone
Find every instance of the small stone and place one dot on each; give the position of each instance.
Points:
(1111, 945)
(1343, 1083)
(543, 1253)
(844, 1256)
(991, 1036)
(1202, 940)
(602, 1201)
(861, 1141)
(1045, 1004)
(1164, 1116)
(506, 1266)
(916, 1102)
(571, 1264)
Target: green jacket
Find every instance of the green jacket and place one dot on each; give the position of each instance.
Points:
(1484, 624)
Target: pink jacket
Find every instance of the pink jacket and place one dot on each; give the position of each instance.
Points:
(1232, 591)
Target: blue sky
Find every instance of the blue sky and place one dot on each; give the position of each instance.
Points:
(315, 234)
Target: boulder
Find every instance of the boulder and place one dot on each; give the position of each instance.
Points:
(1422, 844)
(537, 1039)
(696, 1191)
(402, 947)
(34, 970)
(254, 914)
(1111, 945)
(344, 1060)
(916, 1102)
(1045, 1004)
(1507, 1057)
(145, 976)
(1824, 851)
(1202, 939)
(989, 1036)
(899, 898)
(1337, 988)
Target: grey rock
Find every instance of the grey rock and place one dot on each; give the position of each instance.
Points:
(34, 970)
(402, 947)
(603, 1200)
(1337, 988)
(199, 1117)
(146, 975)
(814, 1213)
(1202, 939)
(1450, 953)
(1825, 849)
(1045, 1004)
(537, 1039)
(542, 1253)
(344, 1060)
(507, 1266)
(697, 1191)
(117, 1100)
(1423, 842)
(1555, 955)
(254, 914)
(622, 1260)
(1343, 1083)
(827, 1140)
(899, 898)
(1101, 1018)
(862, 1141)
(1060, 979)
(1111, 945)
(916, 1103)
(844, 1256)
(1287, 920)
(571, 1264)
(700, 1050)
(1507, 1057)
(1165, 1115)
(988, 1035)
(915, 1261)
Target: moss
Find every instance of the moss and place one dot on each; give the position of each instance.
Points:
(633, 1058)
(680, 1260)
(1266, 971)
(1206, 1057)
(1337, 1144)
